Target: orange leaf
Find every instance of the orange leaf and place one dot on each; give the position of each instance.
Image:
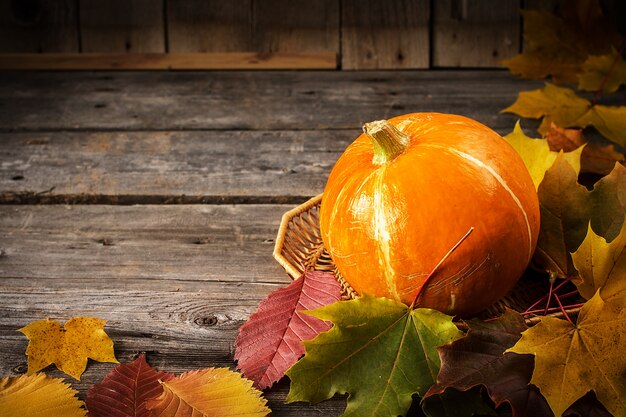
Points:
(565, 140)
(595, 158)
(215, 392)
(69, 346)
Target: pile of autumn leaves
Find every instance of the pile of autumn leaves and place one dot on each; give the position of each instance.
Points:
(385, 354)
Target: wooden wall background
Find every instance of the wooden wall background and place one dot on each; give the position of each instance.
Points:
(345, 34)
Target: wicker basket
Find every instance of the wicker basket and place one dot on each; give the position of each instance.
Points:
(299, 247)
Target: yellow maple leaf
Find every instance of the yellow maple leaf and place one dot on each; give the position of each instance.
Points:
(558, 45)
(215, 392)
(38, 396)
(69, 346)
(561, 106)
(603, 71)
(602, 266)
(537, 155)
(571, 360)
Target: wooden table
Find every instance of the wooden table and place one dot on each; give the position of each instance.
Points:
(152, 199)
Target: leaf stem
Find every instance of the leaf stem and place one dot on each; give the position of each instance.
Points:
(558, 300)
(551, 309)
(446, 256)
(618, 55)
(542, 299)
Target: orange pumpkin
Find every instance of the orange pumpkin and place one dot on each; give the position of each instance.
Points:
(407, 190)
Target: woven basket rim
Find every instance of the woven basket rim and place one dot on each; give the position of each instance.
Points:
(294, 272)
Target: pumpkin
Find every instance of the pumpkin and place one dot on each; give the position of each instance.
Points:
(405, 193)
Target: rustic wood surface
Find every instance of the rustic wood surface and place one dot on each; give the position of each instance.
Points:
(209, 25)
(164, 61)
(130, 151)
(475, 33)
(46, 26)
(370, 34)
(122, 26)
(385, 35)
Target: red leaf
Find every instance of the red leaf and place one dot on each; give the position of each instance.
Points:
(271, 340)
(125, 390)
(479, 359)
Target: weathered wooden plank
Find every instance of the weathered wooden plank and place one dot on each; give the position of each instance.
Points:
(475, 33)
(248, 100)
(162, 167)
(174, 246)
(172, 61)
(122, 26)
(174, 281)
(296, 25)
(385, 35)
(38, 26)
(209, 25)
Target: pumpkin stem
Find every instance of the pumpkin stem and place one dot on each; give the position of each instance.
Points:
(388, 140)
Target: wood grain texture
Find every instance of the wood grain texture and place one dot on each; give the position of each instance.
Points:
(475, 33)
(209, 25)
(38, 26)
(171, 246)
(385, 35)
(176, 282)
(296, 25)
(208, 166)
(134, 26)
(169, 61)
(249, 101)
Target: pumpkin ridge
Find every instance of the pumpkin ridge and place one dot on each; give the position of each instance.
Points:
(381, 231)
(500, 180)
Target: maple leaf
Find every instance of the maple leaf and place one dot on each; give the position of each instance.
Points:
(565, 140)
(548, 49)
(38, 396)
(599, 159)
(271, 340)
(565, 210)
(595, 158)
(606, 72)
(558, 45)
(602, 266)
(379, 350)
(572, 359)
(563, 107)
(214, 392)
(454, 403)
(125, 390)
(479, 359)
(69, 346)
(537, 155)
(608, 201)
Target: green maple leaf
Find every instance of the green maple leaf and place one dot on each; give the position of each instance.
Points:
(537, 155)
(561, 106)
(379, 350)
(572, 359)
